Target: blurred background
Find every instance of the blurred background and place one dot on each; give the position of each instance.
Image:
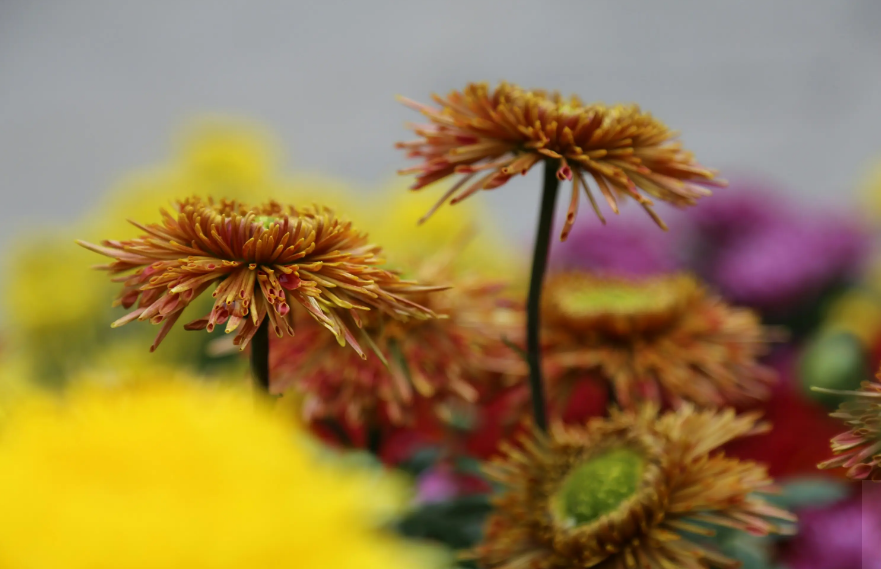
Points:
(787, 89)
(98, 102)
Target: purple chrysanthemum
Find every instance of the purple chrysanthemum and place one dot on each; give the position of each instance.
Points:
(840, 536)
(629, 247)
(769, 254)
(788, 261)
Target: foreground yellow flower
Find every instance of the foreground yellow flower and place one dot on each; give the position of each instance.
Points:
(626, 491)
(660, 339)
(184, 475)
(495, 134)
(859, 449)
(454, 358)
(263, 259)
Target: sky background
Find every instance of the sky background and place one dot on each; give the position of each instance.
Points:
(89, 90)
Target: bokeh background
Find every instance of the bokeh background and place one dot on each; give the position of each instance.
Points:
(89, 90)
(783, 96)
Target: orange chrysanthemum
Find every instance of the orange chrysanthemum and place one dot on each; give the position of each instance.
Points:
(498, 133)
(426, 363)
(859, 449)
(264, 260)
(660, 339)
(626, 491)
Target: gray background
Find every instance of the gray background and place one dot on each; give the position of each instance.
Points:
(89, 90)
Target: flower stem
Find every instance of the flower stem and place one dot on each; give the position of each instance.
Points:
(260, 356)
(536, 280)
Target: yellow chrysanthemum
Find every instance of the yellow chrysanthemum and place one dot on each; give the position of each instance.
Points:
(394, 218)
(214, 158)
(178, 474)
(870, 187)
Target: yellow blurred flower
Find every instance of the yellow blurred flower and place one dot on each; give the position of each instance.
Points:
(215, 157)
(393, 219)
(49, 283)
(870, 188)
(179, 474)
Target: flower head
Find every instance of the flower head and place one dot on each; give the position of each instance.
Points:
(859, 449)
(788, 263)
(495, 134)
(763, 252)
(436, 362)
(663, 339)
(626, 491)
(184, 474)
(264, 260)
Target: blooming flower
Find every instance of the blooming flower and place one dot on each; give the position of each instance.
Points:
(859, 449)
(184, 474)
(265, 259)
(663, 339)
(626, 491)
(788, 263)
(498, 133)
(767, 254)
(437, 361)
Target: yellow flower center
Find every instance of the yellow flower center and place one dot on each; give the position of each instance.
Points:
(597, 487)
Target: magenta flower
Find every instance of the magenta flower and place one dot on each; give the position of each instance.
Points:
(843, 535)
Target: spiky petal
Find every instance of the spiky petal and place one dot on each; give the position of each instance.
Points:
(490, 135)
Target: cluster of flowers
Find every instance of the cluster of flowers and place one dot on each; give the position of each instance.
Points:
(423, 347)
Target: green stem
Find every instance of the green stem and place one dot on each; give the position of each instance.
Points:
(260, 356)
(536, 280)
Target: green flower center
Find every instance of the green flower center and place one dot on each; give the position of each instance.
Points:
(590, 299)
(266, 221)
(597, 487)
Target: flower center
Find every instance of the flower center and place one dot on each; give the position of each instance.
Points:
(597, 487)
(266, 221)
(579, 301)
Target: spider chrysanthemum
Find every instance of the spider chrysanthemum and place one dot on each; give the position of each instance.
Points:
(632, 490)
(859, 449)
(490, 135)
(263, 260)
(453, 358)
(664, 339)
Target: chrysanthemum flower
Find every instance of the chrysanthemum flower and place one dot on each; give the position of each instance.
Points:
(264, 260)
(452, 358)
(762, 251)
(185, 474)
(859, 449)
(495, 134)
(627, 491)
(663, 339)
